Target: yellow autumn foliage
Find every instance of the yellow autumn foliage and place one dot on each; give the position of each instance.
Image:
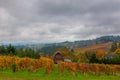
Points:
(117, 51)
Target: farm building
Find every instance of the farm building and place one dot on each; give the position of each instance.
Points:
(58, 57)
(67, 60)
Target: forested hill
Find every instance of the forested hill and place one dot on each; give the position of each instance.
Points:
(84, 43)
(105, 41)
(50, 48)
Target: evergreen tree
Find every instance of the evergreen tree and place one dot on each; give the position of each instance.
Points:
(93, 58)
(11, 50)
(113, 47)
(2, 50)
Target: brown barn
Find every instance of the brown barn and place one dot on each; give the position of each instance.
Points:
(58, 57)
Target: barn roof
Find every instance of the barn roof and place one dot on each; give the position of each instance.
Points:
(58, 52)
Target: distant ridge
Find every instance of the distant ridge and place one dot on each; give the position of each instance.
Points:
(84, 43)
(100, 43)
(80, 43)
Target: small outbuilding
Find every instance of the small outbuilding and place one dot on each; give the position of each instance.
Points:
(58, 57)
(67, 60)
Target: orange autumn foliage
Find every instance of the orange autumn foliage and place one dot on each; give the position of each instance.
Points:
(71, 66)
(100, 53)
(46, 63)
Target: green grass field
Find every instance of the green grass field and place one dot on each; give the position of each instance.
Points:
(55, 75)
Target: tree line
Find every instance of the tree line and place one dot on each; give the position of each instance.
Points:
(22, 52)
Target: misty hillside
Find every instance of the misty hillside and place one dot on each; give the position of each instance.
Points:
(84, 43)
(103, 42)
(80, 43)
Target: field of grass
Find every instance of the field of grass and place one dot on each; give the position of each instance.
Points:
(40, 75)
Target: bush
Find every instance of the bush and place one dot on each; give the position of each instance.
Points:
(115, 60)
(14, 67)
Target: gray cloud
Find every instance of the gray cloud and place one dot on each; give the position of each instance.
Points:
(58, 20)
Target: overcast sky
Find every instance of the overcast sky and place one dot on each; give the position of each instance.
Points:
(58, 20)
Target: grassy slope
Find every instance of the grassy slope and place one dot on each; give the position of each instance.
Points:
(39, 75)
(103, 46)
